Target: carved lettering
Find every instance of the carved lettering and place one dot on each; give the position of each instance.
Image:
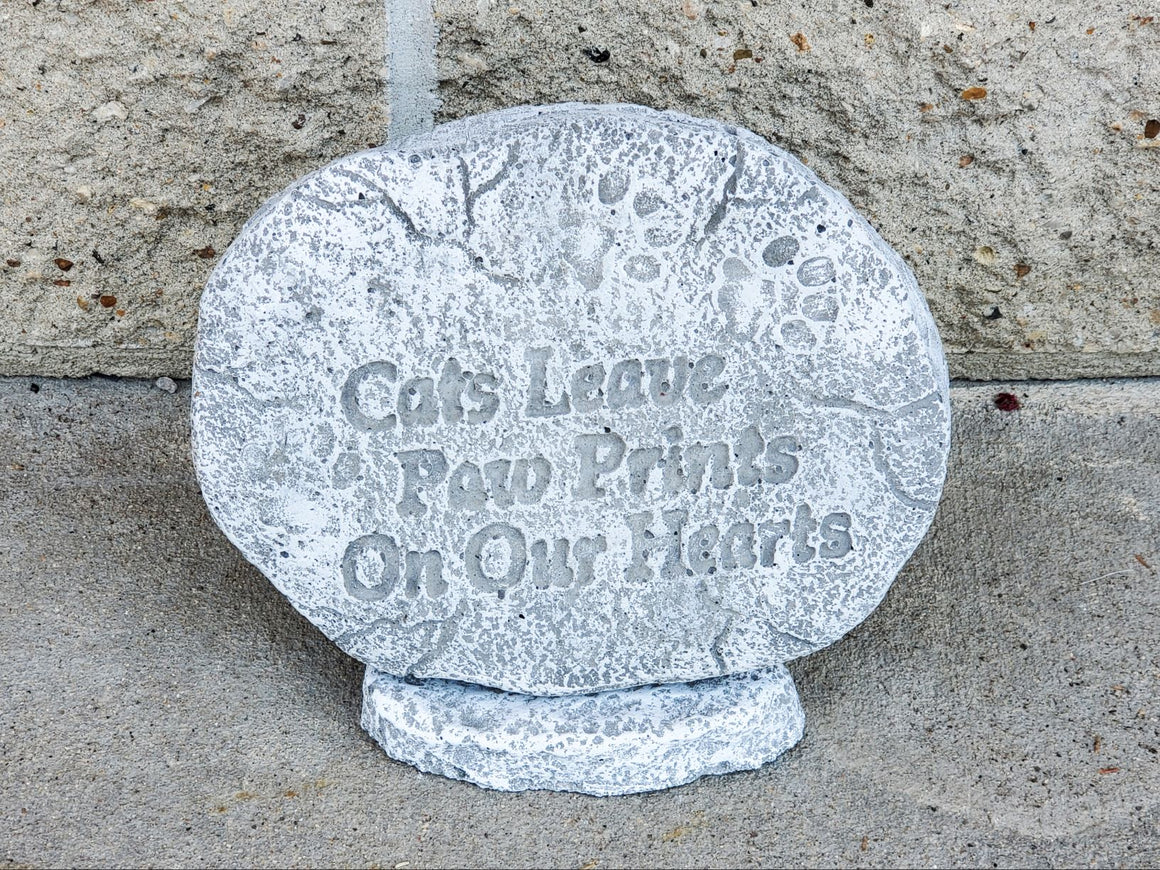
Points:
(749, 446)
(771, 533)
(371, 378)
(586, 551)
(780, 462)
(646, 545)
(803, 528)
(588, 388)
(702, 546)
(370, 567)
(600, 454)
(667, 380)
(465, 490)
(642, 547)
(452, 383)
(702, 386)
(481, 393)
(424, 568)
(836, 540)
(551, 569)
(685, 467)
(371, 402)
(496, 558)
(499, 556)
(737, 547)
(624, 385)
(422, 470)
(417, 404)
(641, 463)
(538, 403)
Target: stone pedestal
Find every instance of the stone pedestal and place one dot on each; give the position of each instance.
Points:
(606, 743)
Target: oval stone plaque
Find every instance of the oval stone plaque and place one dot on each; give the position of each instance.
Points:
(566, 399)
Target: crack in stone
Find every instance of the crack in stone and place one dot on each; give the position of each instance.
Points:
(719, 640)
(205, 373)
(469, 202)
(469, 198)
(727, 194)
(319, 201)
(810, 644)
(408, 224)
(384, 198)
(931, 398)
(448, 627)
(370, 628)
(361, 179)
(893, 482)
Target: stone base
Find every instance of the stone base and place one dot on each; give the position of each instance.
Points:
(607, 743)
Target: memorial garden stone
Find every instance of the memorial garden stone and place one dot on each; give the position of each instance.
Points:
(572, 400)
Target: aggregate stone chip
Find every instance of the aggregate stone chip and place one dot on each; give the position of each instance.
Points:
(564, 399)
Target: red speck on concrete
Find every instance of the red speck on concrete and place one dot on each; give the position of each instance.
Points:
(1007, 402)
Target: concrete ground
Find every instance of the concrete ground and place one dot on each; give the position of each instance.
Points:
(162, 704)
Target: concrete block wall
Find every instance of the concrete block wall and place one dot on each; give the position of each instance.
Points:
(136, 138)
(1010, 151)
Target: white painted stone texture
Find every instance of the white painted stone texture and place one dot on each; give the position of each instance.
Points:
(609, 743)
(570, 399)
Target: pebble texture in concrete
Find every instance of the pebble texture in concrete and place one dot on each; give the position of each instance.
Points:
(137, 138)
(570, 398)
(163, 704)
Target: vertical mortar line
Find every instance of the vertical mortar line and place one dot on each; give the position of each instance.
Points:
(411, 96)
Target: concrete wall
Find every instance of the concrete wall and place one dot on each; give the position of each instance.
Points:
(135, 140)
(1009, 151)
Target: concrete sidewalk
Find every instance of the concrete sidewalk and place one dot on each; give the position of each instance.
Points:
(162, 704)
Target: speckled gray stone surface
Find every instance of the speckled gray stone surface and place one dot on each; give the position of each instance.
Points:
(616, 742)
(566, 399)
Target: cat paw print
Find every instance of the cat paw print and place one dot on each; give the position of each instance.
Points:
(817, 306)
